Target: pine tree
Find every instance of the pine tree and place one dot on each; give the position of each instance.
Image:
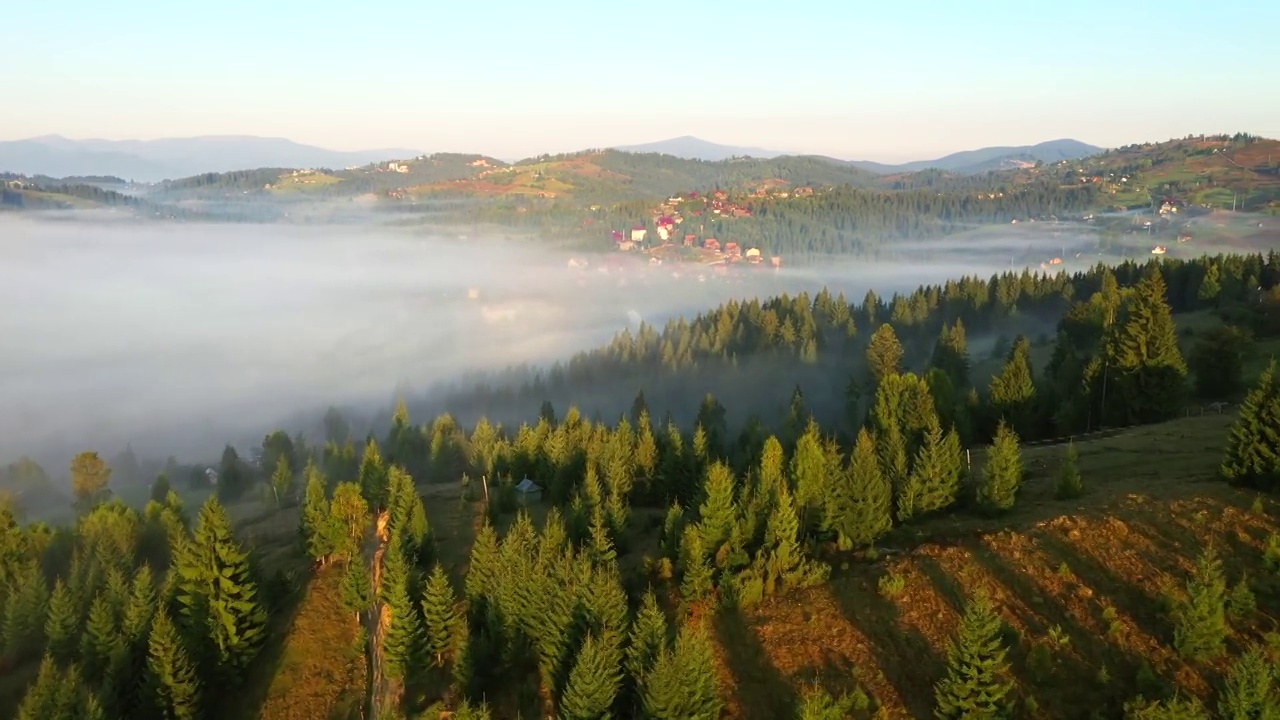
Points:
(817, 704)
(884, 354)
(438, 614)
(1200, 621)
(62, 625)
(403, 641)
(357, 587)
(282, 480)
(648, 638)
(1070, 484)
(102, 638)
(933, 483)
(172, 684)
(218, 596)
(373, 480)
(594, 680)
(978, 674)
(1002, 473)
(1174, 708)
(718, 512)
(41, 699)
(1146, 367)
(484, 566)
(862, 508)
(1210, 286)
(351, 516)
(1252, 456)
(784, 562)
(1013, 391)
(697, 583)
(1249, 692)
(810, 474)
(319, 531)
(683, 683)
(25, 611)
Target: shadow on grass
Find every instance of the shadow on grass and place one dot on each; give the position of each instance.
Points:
(1143, 606)
(249, 700)
(903, 655)
(1057, 672)
(763, 692)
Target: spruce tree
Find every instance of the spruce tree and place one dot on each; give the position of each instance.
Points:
(438, 614)
(718, 513)
(373, 477)
(62, 625)
(1252, 456)
(25, 611)
(810, 474)
(884, 354)
(594, 680)
(319, 533)
(784, 563)
(698, 581)
(1070, 484)
(173, 687)
(282, 480)
(951, 354)
(648, 638)
(1013, 391)
(357, 587)
(1249, 692)
(978, 677)
(1002, 473)
(683, 683)
(933, 483)
(485, 564)
(102, 638)
(402, 644)
(818, 704)
(862, 505)
(217, 595)
(1148, 373)
(1200, 620)
(41, 699)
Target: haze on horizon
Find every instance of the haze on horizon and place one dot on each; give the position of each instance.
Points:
(888, 83)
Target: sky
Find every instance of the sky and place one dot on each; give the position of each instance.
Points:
(854, 79)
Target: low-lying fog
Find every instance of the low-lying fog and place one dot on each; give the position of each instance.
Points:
(181, 337)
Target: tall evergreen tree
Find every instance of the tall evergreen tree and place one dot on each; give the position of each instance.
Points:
(25, 611)
(1002, 473)
(438, 614)
(357, 588)
(811, 476)
(682, 684)
(1148, 374)
(102, 638)
(1249, 692)
(862, 506)
(173, 686)
(784, 563)
(951, 354)
(884, 354)
(595, 679)
(41, 699)
(61, 627)
(1070, 484)
(1013, 391)
(402, 643)
(978, 679)
(1200, 621)
(718, 513)
(320, 532)
(933, 483)
(1252, 456)
(374, 484)
(217, 595)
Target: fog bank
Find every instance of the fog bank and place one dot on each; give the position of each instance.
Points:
(178, 338)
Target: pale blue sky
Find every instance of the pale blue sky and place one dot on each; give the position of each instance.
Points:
(877, 80)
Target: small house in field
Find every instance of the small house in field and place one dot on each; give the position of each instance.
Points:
(528, 491)
(638, 233)
(690, 239)
(1159, 250)
(712, 244)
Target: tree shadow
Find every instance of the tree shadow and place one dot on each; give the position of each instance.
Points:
(1141, 606)
(903, 655)
(250, 698)
(763, 692)
(1062, 664)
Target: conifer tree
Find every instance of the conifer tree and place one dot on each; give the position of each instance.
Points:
(862, 506)
(884, 354)
(1070, 484)
(102, 638)
(41, 699)
(483, 568)
(1249, 692)
(810, 474)
(594, 680)
(648, 638)
(217, 595)
(373, 476)
(282, 480)
(951, 354)
(351, 515)
(173, 687)
(784, 563)
(25, 611)
(403, 641)
(320, 532)
(62, 625)
(438, 614)
(1252, 456)
(718, 512)
(933, 483)
(1013, 391)
(817, 704)
(697, 583)
(1200, 621)
(1002, 473)
(357, 587)
(978, 674)
(1146, 367)
(683, 683)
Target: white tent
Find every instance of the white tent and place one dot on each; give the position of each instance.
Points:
(528, 490)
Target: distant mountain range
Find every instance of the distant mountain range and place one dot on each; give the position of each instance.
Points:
(966, 162)
(170, 158)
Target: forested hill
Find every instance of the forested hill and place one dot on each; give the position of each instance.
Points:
(757, 352)
(60, 195)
